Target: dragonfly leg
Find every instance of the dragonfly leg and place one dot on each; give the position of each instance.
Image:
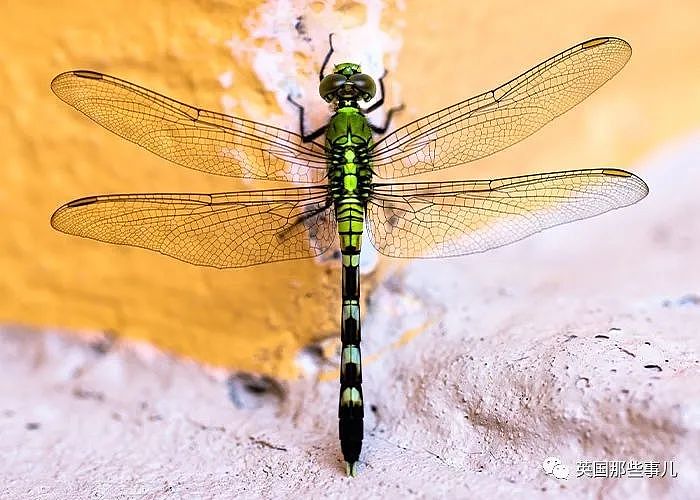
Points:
(305, 137)
(375, 128)
(389, 115)
(282, 235)
(380, 101)
(327, 58)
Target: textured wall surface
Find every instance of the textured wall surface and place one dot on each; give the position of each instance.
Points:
(579, 343)
(243, 57)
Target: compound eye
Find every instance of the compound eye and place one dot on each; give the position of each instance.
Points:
(365, 85)
(330, 84)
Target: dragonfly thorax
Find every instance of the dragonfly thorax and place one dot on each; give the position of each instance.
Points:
(348, 139)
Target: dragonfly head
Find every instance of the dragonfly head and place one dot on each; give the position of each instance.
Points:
(347, 83)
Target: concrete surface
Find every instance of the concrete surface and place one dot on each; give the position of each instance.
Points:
(579, 343)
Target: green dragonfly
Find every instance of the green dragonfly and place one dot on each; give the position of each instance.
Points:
(338, 196)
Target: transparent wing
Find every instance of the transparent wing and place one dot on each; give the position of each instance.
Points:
(195, 138)
(443, 219)
(494, 120)
(219, 230)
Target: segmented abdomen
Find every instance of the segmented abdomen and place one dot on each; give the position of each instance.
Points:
(348, 138)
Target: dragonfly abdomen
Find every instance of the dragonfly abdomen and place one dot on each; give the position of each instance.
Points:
(348, 138)
(350, 406)
(350, 216)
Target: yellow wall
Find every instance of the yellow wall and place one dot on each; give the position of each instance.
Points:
(257, 318)
(477, 45)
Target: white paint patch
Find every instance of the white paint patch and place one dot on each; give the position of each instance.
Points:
(228, 103)
(226, 79)
(307, 363)
(288, 39)
(369, 257)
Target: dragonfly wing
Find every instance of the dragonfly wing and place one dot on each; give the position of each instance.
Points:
(443, 219)
(219, 230)
(499, 118)
(195, 138)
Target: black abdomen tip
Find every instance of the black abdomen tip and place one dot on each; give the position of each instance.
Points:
(351, 431)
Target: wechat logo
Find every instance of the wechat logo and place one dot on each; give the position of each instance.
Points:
(553, 466)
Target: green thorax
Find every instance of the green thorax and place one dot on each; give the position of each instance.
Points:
(348, 139)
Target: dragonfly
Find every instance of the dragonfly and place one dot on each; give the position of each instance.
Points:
(332, 195)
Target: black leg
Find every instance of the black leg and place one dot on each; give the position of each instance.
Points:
(380, 130)
(375, 128)
(301, 219)
(327, 58)
(381, 91)
(313, 135)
